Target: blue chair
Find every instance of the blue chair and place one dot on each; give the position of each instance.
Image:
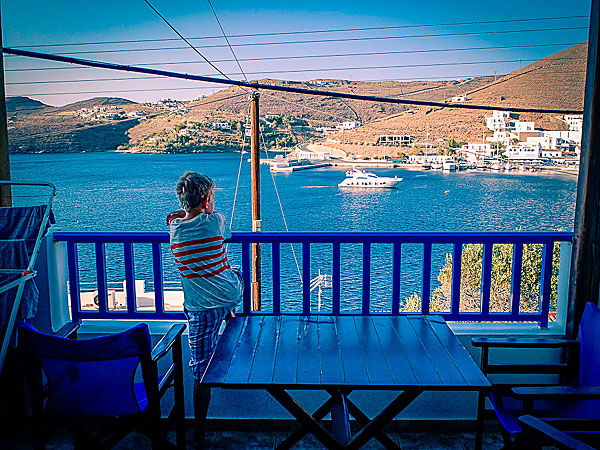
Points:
(569, 405)
(89, 379)
(537, 434)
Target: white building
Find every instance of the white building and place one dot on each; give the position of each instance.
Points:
(221, 125)
(575, 121)
(348, 125)
(572, 137)
(524, 151)
(313, 156)
(545, 142)
(521, 127)
(475, 152)
(184, 132)
(395, 139)
(460, 98)
(498, 120)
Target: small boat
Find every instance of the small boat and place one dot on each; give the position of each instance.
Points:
(463, 165)
(437, 166)
(482, 167)
(450, 165)
(356, 178)
(496, 166)
(426, 166)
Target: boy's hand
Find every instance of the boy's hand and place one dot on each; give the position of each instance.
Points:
(175, 215)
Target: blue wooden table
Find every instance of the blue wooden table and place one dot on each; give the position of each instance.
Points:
(339, 354)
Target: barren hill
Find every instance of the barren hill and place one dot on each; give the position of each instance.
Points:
(555, 82)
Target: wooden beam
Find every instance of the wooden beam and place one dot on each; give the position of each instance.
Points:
(256, 222)
(585, 259)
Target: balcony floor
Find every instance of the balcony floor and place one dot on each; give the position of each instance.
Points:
(225, 436)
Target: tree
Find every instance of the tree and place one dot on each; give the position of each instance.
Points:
(500, 286)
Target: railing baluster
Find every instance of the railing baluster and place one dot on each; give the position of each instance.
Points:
(101, 276)
(456, 277)
(486, 278)
(275, 255)
(545, 283)
(426, 293)
(458, 240)
(129, 277)
(515, 280)
(74, 291)
(247, 300)
(396, 271)
(158, 278)
(366, 279)
(306, 278)
(335, 280)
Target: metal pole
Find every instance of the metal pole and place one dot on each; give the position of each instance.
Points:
(585, 259)
(5, 191)
(256, 222)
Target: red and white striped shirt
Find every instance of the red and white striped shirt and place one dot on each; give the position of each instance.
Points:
(198, 247)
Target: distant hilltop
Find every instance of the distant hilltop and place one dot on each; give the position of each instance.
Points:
(219, 122)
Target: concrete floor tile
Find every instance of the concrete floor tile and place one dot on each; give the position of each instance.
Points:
(429, 441)
(491, 441)
(232, 440)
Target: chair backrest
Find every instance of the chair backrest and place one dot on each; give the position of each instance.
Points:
(89, 377)
(589, 336)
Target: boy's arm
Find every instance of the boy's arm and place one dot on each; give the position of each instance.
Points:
(175, 215)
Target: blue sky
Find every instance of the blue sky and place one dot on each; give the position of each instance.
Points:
(90, 23)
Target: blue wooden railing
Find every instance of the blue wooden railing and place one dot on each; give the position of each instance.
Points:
(457, 240)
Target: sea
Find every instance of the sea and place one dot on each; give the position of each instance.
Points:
(134, 192)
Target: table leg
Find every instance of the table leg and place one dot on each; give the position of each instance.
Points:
(383, 418)
(340, 422)
(293, 438)
(363, 420)
(305, 418)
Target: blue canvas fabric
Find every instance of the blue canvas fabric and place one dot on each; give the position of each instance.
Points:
(508, 409)
(19, 227)
(90, 377)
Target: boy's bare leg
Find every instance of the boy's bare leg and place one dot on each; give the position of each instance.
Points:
(201, 402)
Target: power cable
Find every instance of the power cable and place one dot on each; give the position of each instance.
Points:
(135, 41)
(332, 69)
(282, 58)
(390, 80)
(272, 87)
(316, 41)
(184, 39)
(227, 40)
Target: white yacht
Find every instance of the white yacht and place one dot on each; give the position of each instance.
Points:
(356, 178)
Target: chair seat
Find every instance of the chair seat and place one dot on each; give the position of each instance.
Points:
(508, 409)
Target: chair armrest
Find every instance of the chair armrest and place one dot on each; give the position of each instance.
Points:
(557, 392)
(69, 330)
(164, 345)
(539, 429)
(507, 342)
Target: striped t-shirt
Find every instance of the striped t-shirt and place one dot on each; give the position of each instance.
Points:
(207, 279)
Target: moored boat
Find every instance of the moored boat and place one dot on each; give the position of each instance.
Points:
(356, 178)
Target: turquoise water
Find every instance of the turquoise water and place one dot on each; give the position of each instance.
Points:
(134, 192)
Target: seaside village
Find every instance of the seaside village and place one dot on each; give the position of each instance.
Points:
(509, 143)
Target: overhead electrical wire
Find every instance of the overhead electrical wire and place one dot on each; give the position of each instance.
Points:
(316, 41)
(283, 33)
(251, 85)
(321, 56)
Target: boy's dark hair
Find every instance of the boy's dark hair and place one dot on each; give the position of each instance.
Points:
(192, 188)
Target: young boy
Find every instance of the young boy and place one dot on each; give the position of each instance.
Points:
(211, 288)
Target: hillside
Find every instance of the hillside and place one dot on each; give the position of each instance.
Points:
(286, 119)
(553, 82)
(23, 105)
